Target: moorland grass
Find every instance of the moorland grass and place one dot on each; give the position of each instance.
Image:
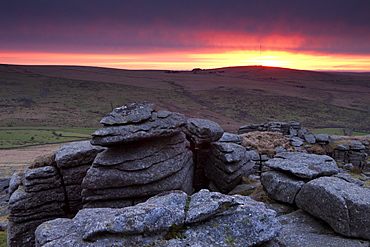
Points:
(2, 239)
(55, 96)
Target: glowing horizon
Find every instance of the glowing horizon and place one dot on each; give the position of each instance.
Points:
(189, 60)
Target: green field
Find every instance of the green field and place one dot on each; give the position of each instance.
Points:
(15, 137)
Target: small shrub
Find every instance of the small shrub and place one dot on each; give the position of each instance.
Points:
(316, 149)
(44, 160)
(355, 170)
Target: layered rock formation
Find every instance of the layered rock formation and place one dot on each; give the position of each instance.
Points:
(106, 194)
(47, 190)
(146, 154)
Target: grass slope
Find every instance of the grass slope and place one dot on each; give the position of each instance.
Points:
(72, 96)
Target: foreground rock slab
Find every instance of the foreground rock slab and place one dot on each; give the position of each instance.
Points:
(343, 205)
(168, 219)
(301, 229)
(302, 165)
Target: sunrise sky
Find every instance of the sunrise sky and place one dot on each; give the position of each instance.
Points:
(182, 35)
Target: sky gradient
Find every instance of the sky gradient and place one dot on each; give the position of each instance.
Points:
(168, 34)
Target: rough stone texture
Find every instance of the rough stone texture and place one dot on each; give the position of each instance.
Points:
(14, 182)
(42, 178)
(290, 128)
(203, 131)
(129, 113)
(347, 177)
(73, 160)
(76, 154)
(307, 166)
(310, 138)
(301, 229)
(220, 221)
(296, 141)
(181, 180)
(280, 186)
(323, 138)
(29, 209)
(344, 206)
(123, 126)
(229, 137)
(140, 169)
(224, 165)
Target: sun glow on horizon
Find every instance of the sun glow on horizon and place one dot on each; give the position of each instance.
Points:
(190, 60)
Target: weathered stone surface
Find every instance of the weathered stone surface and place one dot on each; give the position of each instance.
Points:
(310, 138)
(74, 175)
(101, 178)
(159, 124)
(20, 199)
(41, 172)
(129, 113)
(242, 222)
(139, 163)
(229, 137)
(347, 177)
(14, 182)
(181, 180)
(42, 178)
(344, 206)
(323, 138)
(22, 234)
(29, 209)
(280, 186)
(228, 153)
(301, 229)
(203, 131)
(307, 166)
(204, 205)
(297, 142)
(76, 154)
(225, 163)
(290, 128)
(142, 155)
(234, 221)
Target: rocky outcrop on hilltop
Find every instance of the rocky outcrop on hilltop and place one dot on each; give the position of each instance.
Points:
(154, 177)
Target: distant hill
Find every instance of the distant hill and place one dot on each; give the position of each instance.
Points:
(77, 96)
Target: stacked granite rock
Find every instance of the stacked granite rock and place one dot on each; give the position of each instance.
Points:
(354, 152)
(312, 183)
(147, 153)
(73, 160)
(50, 188)
(201, 133)
(289, 128)
(225, 165)
(38, 197)
(220, 160)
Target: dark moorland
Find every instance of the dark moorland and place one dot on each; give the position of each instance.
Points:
(75, 96)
